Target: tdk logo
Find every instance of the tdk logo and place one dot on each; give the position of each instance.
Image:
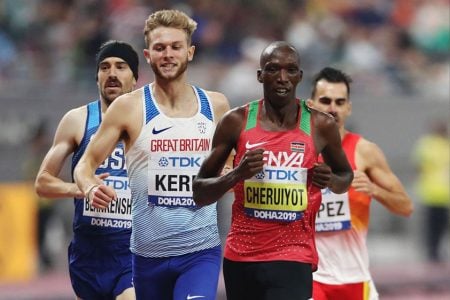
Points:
(282, 175)
(270, 174)
(178, 161)
(117, 184)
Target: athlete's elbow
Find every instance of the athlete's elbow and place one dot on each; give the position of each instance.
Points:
(404, 210)
(340, 185)
(197, 194)
(200, 201)
(40, 187)
(408, 210)
(202, 195)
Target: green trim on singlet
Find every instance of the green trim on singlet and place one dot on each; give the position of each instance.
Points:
(305, 118)
(252, 115)
(305, 121)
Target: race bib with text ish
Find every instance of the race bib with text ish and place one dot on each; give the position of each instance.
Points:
(118, 213)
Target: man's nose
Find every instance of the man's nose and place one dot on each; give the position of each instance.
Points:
(283, 75)
(332, 107)
(112, 72)
(168, 51)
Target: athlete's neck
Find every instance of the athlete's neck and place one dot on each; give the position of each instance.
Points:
(175, 99)
(104, 104)
(284, 117)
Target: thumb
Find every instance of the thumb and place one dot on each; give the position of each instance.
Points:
(103, 175)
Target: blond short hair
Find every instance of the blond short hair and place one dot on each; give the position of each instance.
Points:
(169, 18)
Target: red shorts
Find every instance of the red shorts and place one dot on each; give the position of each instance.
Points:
(350, 291)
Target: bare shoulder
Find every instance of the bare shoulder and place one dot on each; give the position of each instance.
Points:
(366, 147)
(72, 125)
(237, 113)
(231, 125)
(233, 119)
(75, 118)
(368, 154)
(220, 103)
(215, 96)
(76, 115)
(128, 102)
(218, 99)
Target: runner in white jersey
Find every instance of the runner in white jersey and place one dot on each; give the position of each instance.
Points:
(167, 128)
(175, 149)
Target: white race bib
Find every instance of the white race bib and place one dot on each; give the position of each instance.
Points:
(334, 212)
(171, 177)
(118, 209)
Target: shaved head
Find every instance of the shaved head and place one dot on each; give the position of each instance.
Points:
(276, 46)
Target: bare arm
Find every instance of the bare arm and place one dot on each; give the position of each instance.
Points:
(67, 137)
(377, 179)
(208, 186)
(328, 143)
(220, 104)
(115, 125)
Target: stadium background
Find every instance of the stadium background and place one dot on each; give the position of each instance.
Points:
(396, 51)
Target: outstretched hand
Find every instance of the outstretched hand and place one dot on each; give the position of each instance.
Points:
(321, 175)
(102, 175)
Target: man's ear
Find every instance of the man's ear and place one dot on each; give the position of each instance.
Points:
(258, 75)
(146, 55)
(310, 103)
(191, 51)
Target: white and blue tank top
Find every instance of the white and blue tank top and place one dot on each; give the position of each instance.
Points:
(162, 164)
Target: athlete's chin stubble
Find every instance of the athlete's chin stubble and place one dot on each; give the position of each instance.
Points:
(182, 68)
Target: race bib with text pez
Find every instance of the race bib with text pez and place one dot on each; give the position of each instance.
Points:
(334, 212)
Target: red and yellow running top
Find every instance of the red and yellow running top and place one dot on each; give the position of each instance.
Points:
(343, 253)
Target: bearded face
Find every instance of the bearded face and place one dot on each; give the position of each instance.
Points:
(168, 53)
(114, 78)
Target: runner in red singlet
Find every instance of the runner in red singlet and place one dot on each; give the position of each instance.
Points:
(270, 251)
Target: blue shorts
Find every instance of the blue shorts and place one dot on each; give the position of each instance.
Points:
(99, 268)
(188, 276)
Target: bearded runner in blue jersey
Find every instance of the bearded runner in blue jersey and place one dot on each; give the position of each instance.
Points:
(99, 254)
(167, 127)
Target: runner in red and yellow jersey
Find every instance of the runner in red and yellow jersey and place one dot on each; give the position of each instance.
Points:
(270, 251)
(343, 220)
